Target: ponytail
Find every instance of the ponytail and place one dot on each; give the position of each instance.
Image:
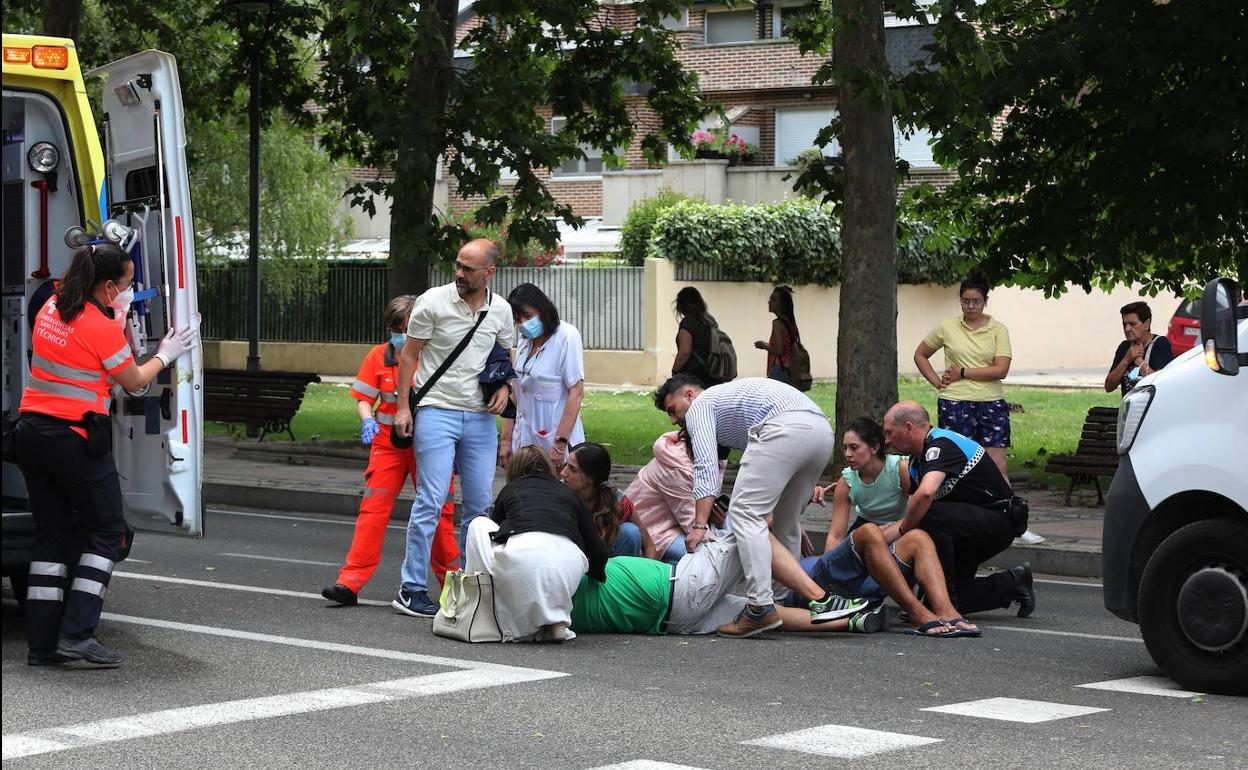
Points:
(90, 266)
(595, 464)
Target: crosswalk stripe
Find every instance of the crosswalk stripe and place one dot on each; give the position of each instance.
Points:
(1015, 710)
(1143, 685)
(842, 741)
(646, 764)
(250, 709)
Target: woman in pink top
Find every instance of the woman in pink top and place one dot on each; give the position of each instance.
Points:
(662, 497)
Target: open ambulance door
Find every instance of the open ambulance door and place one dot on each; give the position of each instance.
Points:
(158, 432)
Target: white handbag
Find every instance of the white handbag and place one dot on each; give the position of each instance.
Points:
(467, 611)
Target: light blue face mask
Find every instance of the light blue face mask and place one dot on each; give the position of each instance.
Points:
(398, 340)
(532, 328)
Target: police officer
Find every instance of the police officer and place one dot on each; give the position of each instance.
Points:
(961, 499)
(64, 445)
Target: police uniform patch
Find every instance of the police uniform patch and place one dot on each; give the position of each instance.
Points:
(932, 453)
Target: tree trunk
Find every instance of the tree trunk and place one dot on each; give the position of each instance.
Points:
(60, 18)
(414, 244)
(866, 358)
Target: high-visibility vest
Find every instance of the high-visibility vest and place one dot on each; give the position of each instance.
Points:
(378, 378)
(72, 362)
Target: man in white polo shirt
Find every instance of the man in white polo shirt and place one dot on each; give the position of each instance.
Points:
(453, 424)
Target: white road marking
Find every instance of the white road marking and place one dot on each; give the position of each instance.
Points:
(250, 709)
(1077, 634)
(341, 521)
(1067, 583)
(317, 644)
(237, 587)
(282, 559)
(133, 560)
(647, 764)
(1143, 685)
(1015, 710)
(841, 741)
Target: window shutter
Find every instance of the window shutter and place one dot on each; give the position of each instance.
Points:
(915, 149)
(797, 129)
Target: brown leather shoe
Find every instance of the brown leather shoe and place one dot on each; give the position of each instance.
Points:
(751, 623)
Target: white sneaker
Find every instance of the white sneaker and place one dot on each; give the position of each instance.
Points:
(1029, 538)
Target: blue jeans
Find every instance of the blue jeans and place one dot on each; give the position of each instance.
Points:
(447, 439)
(628, 542)
(842, 572)
(675, 551)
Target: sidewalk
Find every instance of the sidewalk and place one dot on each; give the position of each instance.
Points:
(328, 478)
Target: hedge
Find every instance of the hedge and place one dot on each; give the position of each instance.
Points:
(794, 241)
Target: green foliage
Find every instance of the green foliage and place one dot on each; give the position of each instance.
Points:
(639, 222)
(1117, 160)
(397, 102)
(300, 222)
(531, 254)
(795, 241)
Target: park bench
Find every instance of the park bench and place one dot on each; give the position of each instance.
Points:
(1097, 454)
(266, 401)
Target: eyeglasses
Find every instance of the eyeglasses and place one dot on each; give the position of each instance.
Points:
(972, 302)
(460, 267)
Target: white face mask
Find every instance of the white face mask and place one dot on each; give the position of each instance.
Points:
(121, 304)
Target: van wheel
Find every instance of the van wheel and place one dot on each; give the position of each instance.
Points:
(1193, 606)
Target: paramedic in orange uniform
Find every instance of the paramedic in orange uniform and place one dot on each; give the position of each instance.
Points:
(388, 465)
(64, 447)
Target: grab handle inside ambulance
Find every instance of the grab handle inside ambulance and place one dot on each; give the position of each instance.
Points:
(42, 187)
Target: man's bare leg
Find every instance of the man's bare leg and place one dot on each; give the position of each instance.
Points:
(917, 549)
(797, 619)
(870, 544)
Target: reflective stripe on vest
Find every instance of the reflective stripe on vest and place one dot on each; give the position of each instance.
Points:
(65, 372)
(384, 419)
(118, 358)
(60, 389)
(364, 389)
(389, 398)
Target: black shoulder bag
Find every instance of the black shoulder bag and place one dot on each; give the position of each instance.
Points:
(414, 396)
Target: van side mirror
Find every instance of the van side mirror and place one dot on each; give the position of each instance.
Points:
(1217, 326)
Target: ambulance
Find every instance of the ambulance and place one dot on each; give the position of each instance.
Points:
(71, 177)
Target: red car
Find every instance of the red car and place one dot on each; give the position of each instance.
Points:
(1184, 331)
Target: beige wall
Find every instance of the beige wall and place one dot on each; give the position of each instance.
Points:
(1075, 331)
(760, 185)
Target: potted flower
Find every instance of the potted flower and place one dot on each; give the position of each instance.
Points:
(721, 144)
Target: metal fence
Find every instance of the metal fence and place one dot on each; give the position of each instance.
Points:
(347, 310)
(705, 272)
(604, 303)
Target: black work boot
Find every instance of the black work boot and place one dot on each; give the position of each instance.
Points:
(1024, 591)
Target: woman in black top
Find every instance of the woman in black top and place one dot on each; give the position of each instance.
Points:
(537, 543)
(693, 339)
(1141, 353)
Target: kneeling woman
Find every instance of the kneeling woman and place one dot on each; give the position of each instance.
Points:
(537, 544)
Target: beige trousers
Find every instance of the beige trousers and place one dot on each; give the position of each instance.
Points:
(781, 465)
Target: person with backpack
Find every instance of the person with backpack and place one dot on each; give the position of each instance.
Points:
(787, 359)
(703, 350)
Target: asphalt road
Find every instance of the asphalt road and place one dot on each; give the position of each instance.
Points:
(234, 660)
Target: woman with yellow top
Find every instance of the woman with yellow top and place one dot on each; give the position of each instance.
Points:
(977, 358)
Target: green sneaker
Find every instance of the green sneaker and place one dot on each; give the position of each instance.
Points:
(869, 621)
(833, 607)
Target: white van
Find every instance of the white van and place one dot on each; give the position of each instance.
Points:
(67, 171)
(1175, 549)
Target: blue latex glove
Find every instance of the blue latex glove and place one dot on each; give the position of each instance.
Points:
(368, 431)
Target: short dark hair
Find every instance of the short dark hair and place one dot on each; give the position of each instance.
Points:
(1139, 309)
(975, 280)
(526, 294)
(398, 311)
(870, 432)
(689, 302)
(674, 383)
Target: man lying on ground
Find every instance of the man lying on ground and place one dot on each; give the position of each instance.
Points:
(642, 596)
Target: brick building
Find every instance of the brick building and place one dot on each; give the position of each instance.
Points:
(747, 64)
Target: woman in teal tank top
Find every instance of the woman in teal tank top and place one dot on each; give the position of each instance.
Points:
(873, 487)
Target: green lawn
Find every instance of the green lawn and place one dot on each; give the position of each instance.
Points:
(628, 422)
